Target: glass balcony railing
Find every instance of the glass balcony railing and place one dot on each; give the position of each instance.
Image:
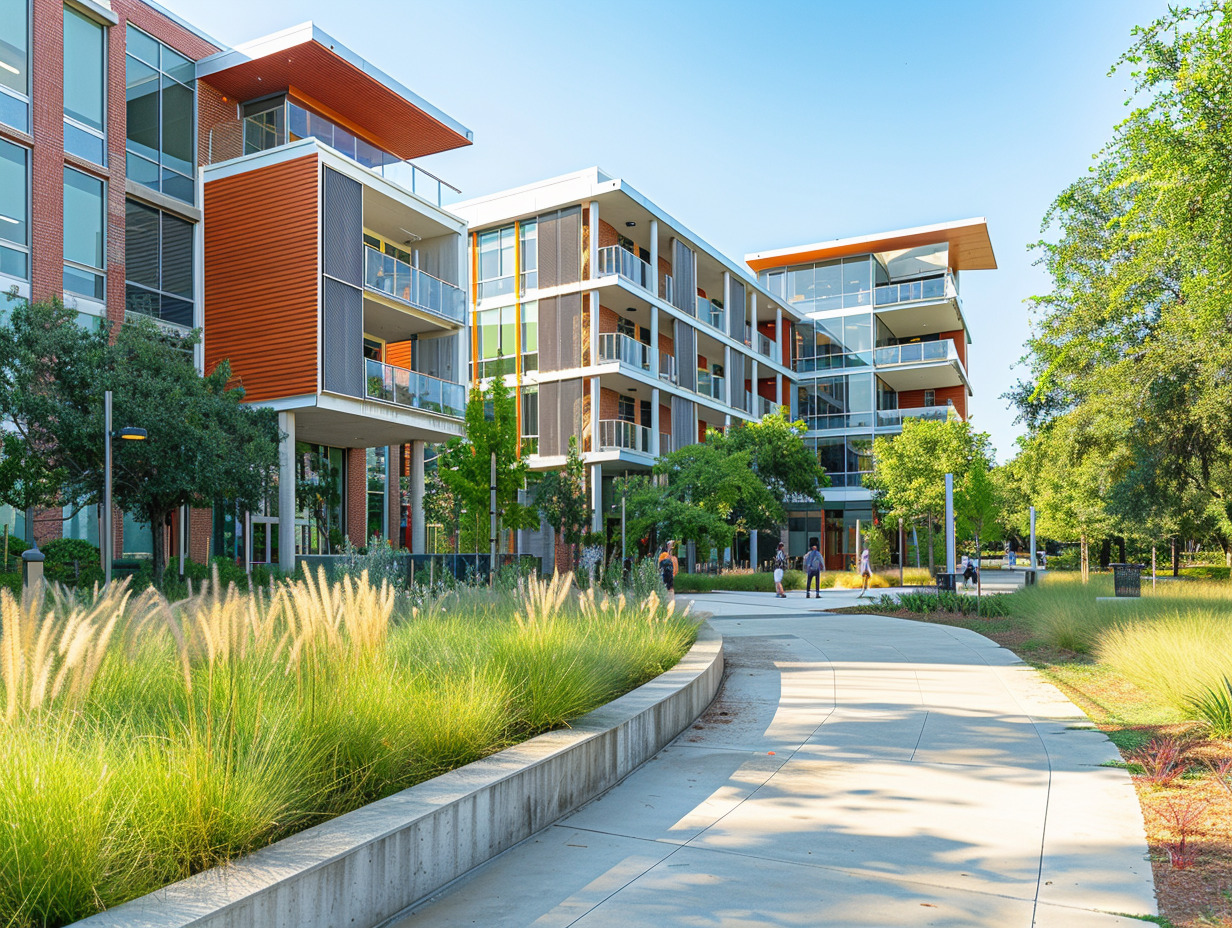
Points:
(616, 260)
(916, 353)
(766, 407)
(911, 291)
(618, 435)
(893, 418)
(711, 385)
(842, 420)
(765, 346)
(616, 347)
(392, 277)
(668, 289)
(415, 390)
(665, 443)
(711, 314)
(667, 367)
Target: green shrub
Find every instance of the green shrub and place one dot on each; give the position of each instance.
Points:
(1203, 572)
(942, 601)
(745, 582)
(1213, 706)
(73, 561)
(16, 547)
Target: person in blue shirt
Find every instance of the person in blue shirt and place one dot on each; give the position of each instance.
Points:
(812, 567)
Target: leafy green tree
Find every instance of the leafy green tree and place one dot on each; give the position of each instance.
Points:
(908, 478)
(561, 498)
(777, 453)
(654, 509)
(465, 463)
(25, 482)
(439, 502)
(203, 443)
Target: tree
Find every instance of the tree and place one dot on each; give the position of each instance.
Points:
(203, 443)
(653, 509)
(562, 500)
(1133, 338)
(777, 453)
(908, 479)
(465, 463)
(25, 482)
(440, 505)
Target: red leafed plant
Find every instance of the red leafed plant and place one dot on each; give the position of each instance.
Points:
(1160, 761)
(1182, 814)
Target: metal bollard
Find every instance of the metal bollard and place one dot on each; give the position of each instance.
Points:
(32, 568)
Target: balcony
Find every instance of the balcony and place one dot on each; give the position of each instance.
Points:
(415, 390)
(396, 279)
(915, 291)
(831, 421)
(893, 418)
(766, 407)
(668, 289)
(618, 435)
(712, 314)
(616, 260)
(765, 346)
(711, 385)
(920, 365)
(616, 347)
(667, 367)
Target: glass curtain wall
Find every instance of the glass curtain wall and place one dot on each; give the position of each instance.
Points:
(84, 235)
(85, 98)
(14, 210)
(160, 95)
(15, 64)
(158, 251)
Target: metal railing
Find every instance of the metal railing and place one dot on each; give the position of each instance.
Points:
(711, 314)
(929, 288)
(618, 435)
(766, 407)
(847, 420)
(668, 288)
(616, 260)
(392, 277)
(667, 367)
(893, 418)
(711, 385)
(613, 346)
(765, 346)
(415, 390)
(916, 353)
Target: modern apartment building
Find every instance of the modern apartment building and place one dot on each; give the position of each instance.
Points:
(264, 193)
(883, 338)
(619, 326)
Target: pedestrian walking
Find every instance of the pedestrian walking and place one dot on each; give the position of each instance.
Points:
(780, 567)
(812, 567)
(667, 567)
(866, 571)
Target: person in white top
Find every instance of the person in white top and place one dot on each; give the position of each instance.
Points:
(866, 571)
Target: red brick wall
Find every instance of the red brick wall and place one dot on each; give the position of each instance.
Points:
(609, 403)
(200, 535)
(665, 418)
(608, 318)
(356, 490)
(914, 399)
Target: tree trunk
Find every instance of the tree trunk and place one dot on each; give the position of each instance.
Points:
(932, 570)
(1121, 549)
(158, 536)
(1176, 558)
(1083, 554)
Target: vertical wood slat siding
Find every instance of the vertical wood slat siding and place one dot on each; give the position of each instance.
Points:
(261, 277)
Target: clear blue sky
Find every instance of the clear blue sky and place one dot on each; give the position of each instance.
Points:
(762, 125)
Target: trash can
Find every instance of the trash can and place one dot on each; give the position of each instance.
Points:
(1127, 579)
(947, 583)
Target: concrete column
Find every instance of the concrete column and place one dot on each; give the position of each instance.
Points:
(419, 542)
(594, 239)
(655, 449)
(753, 549)
(594, 326)
(654, 264)
(594, 414)
(654, 341)
(286, 492)
(778, 389)
(596, 496)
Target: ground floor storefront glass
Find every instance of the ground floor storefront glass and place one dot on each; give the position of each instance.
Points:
(837, 541)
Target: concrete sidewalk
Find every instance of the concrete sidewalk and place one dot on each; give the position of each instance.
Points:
(855, 771)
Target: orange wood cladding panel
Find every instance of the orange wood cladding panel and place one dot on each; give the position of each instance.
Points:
(262, 277)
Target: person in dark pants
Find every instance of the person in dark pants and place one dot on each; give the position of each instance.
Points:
(812, 566)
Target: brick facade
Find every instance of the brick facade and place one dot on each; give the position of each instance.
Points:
(355, 495)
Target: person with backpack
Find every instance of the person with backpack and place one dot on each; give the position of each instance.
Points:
(780, 567)
(812, 567)
(866, 571)
(667, 567)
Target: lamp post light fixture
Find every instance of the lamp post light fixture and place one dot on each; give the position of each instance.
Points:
(128, 433)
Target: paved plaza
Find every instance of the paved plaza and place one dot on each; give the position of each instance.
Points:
(854, 771)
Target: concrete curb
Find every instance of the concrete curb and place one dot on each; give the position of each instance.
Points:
(367, 866)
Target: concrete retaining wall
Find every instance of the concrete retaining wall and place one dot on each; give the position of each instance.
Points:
(364, 867)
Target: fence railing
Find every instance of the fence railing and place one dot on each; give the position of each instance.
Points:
(893, 418)
(618, 435)
(415, 390)
(711, 385)
(766, 407)
(616, 260)
(711, 314)
(614, 346)
(395, 278)
(916, 353)
(930, 288)
(667, 367)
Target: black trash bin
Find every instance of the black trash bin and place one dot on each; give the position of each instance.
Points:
(1127, 579)
(947, 583)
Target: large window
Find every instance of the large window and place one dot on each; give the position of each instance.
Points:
(496, 262)
(837, 402)
(499, 342)
(530, 255)
(834, 342)
(15, 64)
(530, 419)
(158, 254)
(376, 494)
(14, 210)
(160, 95)
(839, 284)
(530, 336)
(85, 98)
(84, 235)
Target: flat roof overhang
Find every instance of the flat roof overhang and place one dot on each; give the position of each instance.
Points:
(351, 422)
(306, 60)
(970, 246)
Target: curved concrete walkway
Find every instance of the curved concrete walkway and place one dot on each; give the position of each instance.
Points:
(854, 771)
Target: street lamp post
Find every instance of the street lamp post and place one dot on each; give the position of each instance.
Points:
(129, 434)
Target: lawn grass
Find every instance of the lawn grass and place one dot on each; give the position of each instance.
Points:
(161, 740)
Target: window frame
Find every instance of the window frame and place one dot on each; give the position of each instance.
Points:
(100, 272)
(22, 248)
(161, 292)
(22, 97)
(71, 122)
(161, 164)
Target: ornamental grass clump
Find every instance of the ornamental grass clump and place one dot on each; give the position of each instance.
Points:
(142, 741)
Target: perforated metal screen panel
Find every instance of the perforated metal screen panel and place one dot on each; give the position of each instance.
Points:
(560, 247)
(684, 276)
(342, 229)
(736, 311)
(684, 423)
(560, 416)
(735, 373)
(342, 338)
(686, 355)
